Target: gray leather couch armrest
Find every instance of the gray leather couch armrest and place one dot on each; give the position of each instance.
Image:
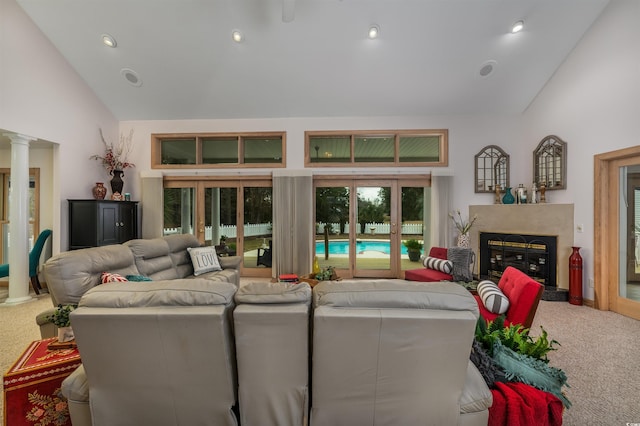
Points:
(230, 262)
(76, 389)
(476, 395)
(47, 328)
(75, 386)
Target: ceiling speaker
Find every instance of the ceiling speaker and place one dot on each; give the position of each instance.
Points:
(131, 76)
(487, 68)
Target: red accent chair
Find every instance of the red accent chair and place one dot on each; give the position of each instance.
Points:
(429, 275)
(524, 294)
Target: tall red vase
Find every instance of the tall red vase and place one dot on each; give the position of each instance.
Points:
(575, 277)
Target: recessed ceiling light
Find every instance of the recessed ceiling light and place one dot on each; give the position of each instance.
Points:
(517, 27)
(131, 76)
(108, 40)
(374, 31)
(237, 36)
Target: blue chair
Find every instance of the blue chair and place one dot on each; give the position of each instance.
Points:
(34, 261)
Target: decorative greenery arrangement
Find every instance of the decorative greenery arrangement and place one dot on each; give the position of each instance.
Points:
(512, 355)
(514, 337)
(326, 274)
(462, 225)
(60, 316)
(115, 156)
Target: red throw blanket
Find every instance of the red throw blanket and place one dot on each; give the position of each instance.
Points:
(518, 404)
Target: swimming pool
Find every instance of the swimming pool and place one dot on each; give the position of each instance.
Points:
(342, 247)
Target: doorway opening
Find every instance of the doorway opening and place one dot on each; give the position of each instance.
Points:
(362, 225)
(617, 227)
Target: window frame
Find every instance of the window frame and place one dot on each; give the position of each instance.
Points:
(156, 149)
(443, 134)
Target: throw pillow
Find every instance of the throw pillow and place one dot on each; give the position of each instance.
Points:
(138, 278)
(492, 297)
(108, 277)
(438, 264)
(204, 259)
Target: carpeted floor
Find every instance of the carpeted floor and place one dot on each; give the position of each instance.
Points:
(600, 353)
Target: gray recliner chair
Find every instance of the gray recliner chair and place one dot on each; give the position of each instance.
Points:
(394, 352)
(154, 353)
(272, 349)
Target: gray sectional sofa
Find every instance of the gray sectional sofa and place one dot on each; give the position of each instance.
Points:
(365, 352)
(71, 274)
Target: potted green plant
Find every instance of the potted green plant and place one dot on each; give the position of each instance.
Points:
(60, 318)
(414, 248)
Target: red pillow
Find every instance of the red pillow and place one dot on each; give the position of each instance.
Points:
(108, 277)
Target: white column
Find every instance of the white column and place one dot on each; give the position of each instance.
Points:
(19, 220)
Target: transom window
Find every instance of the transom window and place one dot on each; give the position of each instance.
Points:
(265, 149)
(376, 148)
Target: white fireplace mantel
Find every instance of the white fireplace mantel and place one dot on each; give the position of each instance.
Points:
(530, 219)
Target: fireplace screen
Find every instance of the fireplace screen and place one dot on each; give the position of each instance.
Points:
(535, 255)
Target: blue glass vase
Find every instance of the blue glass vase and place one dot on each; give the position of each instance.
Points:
(508, 196)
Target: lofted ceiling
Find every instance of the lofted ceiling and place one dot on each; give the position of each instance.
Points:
(312, 58)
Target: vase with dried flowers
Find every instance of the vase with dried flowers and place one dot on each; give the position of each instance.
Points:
(463, 226)
(115, 160)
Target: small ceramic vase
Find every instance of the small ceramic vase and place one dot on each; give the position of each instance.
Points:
(99, 191)
(508, 196)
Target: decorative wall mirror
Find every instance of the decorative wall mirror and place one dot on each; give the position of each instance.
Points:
(492, 168)
(550, 163)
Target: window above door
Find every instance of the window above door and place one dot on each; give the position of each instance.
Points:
(218, 150)
(379, 148)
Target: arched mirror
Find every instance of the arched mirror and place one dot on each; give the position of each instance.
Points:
(492, 168)
(550, 163)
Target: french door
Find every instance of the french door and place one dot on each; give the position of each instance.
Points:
(361, 224)
(617, 221)
(235, 216)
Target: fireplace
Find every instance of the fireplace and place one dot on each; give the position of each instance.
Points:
(535, 255)
(529, 221)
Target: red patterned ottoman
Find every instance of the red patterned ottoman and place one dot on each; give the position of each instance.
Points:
(32, 386)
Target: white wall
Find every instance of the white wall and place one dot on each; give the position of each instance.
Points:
(43, 97)
(467, 136)
(592, 103)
